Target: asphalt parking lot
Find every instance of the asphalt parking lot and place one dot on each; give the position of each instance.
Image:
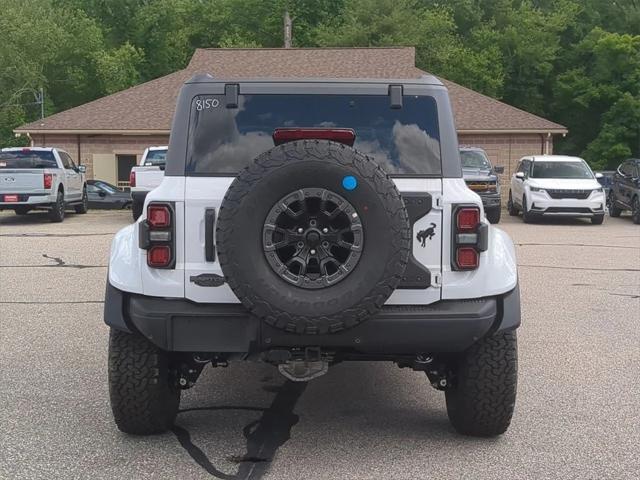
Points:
(577, 414)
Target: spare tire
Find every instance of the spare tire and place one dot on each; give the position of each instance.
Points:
(313, 237)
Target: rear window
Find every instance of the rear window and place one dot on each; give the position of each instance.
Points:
(27, 159)
(403, 141)
(561, 170)
(156, 158)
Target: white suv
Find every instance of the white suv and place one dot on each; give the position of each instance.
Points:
(556, 185)
(305, 223)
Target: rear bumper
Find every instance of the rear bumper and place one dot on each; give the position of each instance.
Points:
(541, 203)
(28, 199)
(180, 325)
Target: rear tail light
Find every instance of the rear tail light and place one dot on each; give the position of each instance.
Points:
(132, 179)
(467, 218)
(341, 135)
(156, 235)
(159, 216)
(159, 256)
(47, 180)
(470, 237)
(467, 258)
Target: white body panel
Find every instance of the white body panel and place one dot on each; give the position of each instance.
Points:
(497, 272)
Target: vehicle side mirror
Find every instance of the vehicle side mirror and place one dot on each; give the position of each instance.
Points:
(498, 169)
(520, 175)
(102, 193)
(599, 176)
(82, 169)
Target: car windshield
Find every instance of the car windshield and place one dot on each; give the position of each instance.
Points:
(576, 170)
(27, 159)
(156, 158)
(106, 187)
(402, 141)
(474, 159)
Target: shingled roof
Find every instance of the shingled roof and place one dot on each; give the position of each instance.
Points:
(148, 108)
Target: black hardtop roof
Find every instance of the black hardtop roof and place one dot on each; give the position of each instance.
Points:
(423, 80)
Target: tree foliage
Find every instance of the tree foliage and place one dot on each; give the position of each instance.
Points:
(576, 62)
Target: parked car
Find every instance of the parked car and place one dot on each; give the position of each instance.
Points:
(39, 178)
(481, 177)
(625, 190)
(275, 238)
(104, 195)
(556, 185)
(146, 176)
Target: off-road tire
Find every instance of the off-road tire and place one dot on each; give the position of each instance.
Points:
(527, 217)
(598, 219)
(56, 214)
(482, 400)
(136, 209)
(511, 207)
(614, 210)
(21, 210)
(312, 164)
(493, 215)
(84, 206)
(143, 399)
(635, 210)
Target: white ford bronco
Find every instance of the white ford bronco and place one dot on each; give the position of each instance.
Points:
(304, 223)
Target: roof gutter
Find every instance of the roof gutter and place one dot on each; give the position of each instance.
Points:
(551, 131)
(91, 132)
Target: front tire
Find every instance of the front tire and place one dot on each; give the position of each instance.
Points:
(84, 206)
(527, 217)
(136, 209)
(56, 214)
(614, 211)
(493, 215)
(21, 210)
(635, 211)
(511, 207)
(144, 400)
(482, 400)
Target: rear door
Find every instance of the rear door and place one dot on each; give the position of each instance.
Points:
(73, 179)
(403, 141)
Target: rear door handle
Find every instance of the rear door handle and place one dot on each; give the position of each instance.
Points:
(209, 223)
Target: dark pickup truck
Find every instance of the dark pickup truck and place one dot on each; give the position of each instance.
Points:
(481, 177)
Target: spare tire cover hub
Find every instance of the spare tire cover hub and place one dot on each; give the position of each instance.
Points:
(306, 251)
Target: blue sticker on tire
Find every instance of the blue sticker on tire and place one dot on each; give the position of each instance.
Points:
(349, 182)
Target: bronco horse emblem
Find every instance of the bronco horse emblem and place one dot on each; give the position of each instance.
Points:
(423, 235)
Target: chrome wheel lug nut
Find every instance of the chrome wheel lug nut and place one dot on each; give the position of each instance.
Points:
(312, 251)
(325, 230)
(300, 230)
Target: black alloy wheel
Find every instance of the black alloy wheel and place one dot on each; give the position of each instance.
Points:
(313, 238)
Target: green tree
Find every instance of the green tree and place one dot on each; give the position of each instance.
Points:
(597, 98)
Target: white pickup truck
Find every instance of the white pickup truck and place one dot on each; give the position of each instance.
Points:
(146, 176)
(41, 178)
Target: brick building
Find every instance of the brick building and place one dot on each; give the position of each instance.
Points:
(109, 134)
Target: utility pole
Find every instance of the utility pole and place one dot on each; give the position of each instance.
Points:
(287, 29)
(39, 100)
